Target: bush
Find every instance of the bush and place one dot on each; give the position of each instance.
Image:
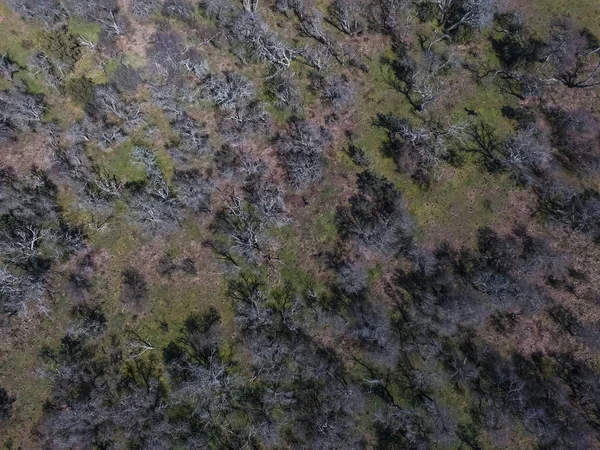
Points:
(6, 403)
(61, 45)
(135, 287)
(81, 90)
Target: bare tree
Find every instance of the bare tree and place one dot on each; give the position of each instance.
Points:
(347, 16)
(6, 404)
(217, 9)
(388, 16)
(264, 44)
(420, 81)
(300, 8)
(574, 56)
(377, 215)
(267, 196)
(8, 67)
(108, 101)
(419, 149)
(242, 113)
(454, 14)
(52, 73)
(282, 86)
(33, 238)
(143, 9)
(178, 8)
(195, 65)
(229, 89)
(193, 190)
(155, 204)
(47, 11)
(192, 136)
(357, 154)
(525, 154)
(105, 12)
(17, 292)
(166, 53)
(563, 205)
(21, 110)
(318, 58)
(240, 223)
(339, 91)
(301, 152)
(126, 79)
(575, 135)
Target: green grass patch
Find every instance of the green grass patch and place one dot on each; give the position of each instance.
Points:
(120, 163)
(16, 39)
(89, 66)
(32, 84)
(87, 30)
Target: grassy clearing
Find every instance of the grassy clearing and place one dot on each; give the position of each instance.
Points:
(89, 66)
(463, 199)
(119, 162)
(86, 30)
(16, 37)
(540, 14)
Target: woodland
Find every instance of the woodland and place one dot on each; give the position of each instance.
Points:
(299, 224)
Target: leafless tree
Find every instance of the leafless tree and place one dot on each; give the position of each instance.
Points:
(193, 190)
(178, 8)
(193, 138)
(357, 154)
(574, 56)
(143, 9)
(32, 239)
(420, 81)
(264, 44)
(347, 16)
(229, 89)
(17, 292)
(377, 215)
(301, 152)
(282, 86)
(217, 9)
(339, 91)
(563, 205)
(52, 73)
(166, 53)
(155, 203)
(318, 58)
(19, 109)
(8, 67)
(575, 135)
(108, 101)
(195, 65)
(452, 14)
(268, 198)
(243, 227)
(390, 16)
(105, 12)
(253, 311)
(47, 11)
(520, 85)
(419, 149)
(300, 8)
(242, 113)
(526, 153)
(126, 79)
(7, 133)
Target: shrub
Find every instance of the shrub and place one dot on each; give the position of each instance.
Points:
(81, 90)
